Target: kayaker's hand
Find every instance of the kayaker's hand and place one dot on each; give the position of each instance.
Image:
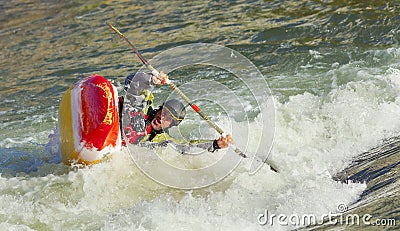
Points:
(223, 142)
(161, 79)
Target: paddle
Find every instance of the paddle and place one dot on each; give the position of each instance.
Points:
(177, 90)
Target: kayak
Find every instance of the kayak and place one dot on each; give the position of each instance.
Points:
(88, 121)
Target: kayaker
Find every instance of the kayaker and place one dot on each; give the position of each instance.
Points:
(149, 124)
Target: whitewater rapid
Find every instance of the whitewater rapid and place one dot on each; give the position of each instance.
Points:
(316, 137)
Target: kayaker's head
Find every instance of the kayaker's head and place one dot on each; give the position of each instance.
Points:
(171, 113)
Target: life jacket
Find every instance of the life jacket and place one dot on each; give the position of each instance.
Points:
(135, 130)
(140, 129)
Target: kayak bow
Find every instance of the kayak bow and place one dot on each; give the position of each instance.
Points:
(88, 121)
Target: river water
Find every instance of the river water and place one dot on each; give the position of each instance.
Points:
(334, 71)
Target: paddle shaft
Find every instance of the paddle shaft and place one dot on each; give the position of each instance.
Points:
(177, 90)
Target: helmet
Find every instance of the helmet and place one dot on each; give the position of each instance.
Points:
(176, 109)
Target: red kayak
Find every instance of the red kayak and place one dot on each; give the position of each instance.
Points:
(88, 121)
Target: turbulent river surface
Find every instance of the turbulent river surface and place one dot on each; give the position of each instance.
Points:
(333, 68)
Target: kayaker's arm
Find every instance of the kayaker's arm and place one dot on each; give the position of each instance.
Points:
(191, 147)
(138, 87)
(185, 146)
